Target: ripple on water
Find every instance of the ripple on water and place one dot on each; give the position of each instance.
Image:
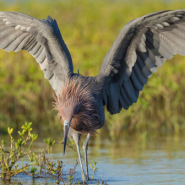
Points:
(159, 162)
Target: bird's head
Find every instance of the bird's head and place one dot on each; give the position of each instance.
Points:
(77, 107)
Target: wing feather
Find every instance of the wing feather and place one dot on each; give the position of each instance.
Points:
(13, 46)
(125, 96)
(136, 82)
(127, 85)
(123, 103)
(42, 39)
(139, 74)
(141, 47)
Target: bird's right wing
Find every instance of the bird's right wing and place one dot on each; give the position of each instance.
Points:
(42, 39)
(141, 47)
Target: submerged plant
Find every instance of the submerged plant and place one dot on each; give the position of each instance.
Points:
(93, 166)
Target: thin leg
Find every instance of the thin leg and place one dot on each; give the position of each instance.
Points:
(80, 159)
(85, 148)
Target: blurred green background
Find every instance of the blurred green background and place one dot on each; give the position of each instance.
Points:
(89, 28)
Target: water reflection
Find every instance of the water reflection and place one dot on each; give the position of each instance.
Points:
(128, 161)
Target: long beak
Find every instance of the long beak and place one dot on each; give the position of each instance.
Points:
(66, 130)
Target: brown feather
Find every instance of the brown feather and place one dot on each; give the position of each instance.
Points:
(77, 100)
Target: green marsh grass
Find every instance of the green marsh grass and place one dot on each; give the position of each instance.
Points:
(89, 29)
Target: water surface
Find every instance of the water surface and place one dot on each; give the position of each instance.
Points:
(132, 161)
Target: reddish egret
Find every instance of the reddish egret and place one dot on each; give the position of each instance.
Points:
(140, 48)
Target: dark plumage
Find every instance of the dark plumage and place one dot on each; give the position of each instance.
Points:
(140, 48)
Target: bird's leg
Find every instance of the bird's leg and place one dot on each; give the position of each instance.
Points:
(85, 148)
(80, 159)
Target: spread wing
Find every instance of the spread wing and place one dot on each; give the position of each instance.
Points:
(141, 47)
(42, 39)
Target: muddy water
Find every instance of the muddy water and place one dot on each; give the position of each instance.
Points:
(132, 161)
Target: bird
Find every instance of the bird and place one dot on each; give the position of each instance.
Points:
(140, 48)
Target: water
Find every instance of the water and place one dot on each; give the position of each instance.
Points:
(130, 162)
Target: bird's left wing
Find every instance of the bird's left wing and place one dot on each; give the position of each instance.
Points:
(42, 39)
(141, 47)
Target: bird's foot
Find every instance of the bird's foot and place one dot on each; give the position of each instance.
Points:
(87, 178)
(84, 178)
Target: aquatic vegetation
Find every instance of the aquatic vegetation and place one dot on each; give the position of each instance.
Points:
(19, 149)
(41, 165)
(93, 166)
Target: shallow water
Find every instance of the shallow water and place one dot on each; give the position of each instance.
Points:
(133, 161)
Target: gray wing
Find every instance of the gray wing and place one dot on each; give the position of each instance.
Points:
(141, 47)
(42, 39)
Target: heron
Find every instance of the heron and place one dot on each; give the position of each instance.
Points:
(141, 47)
